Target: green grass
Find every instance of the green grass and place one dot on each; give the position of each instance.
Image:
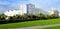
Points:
(30, 23)
(57, 27)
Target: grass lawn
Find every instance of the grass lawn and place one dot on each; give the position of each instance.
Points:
(30, 23)
(57, 27)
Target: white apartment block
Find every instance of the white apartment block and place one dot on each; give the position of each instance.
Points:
(13, 12)
(28, 9)
(54, 11)
(24, 9)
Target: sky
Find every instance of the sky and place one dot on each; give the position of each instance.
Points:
(15, 4)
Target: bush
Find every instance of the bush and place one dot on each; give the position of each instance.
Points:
(25, 17)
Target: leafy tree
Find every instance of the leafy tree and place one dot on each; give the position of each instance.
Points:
(2, 17)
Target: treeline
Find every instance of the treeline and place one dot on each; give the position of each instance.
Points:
(25, 17)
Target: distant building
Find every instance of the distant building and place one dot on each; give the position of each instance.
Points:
(12, 12)
(24, 9)
(37, 11)
(54, 11)
(30, 8)
(27, 8)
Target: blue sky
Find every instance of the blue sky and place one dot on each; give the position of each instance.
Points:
(14, 4)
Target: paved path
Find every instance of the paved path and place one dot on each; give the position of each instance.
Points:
(35, 27)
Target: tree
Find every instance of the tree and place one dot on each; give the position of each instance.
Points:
(2, 17)
(24, 17)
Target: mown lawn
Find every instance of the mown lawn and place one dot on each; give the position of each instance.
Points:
(57, 27)
(30, 23)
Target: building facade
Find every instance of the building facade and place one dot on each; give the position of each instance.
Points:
(30, 8)
(24, 9)
(27, 8)
(54, 11)
(13, 12)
